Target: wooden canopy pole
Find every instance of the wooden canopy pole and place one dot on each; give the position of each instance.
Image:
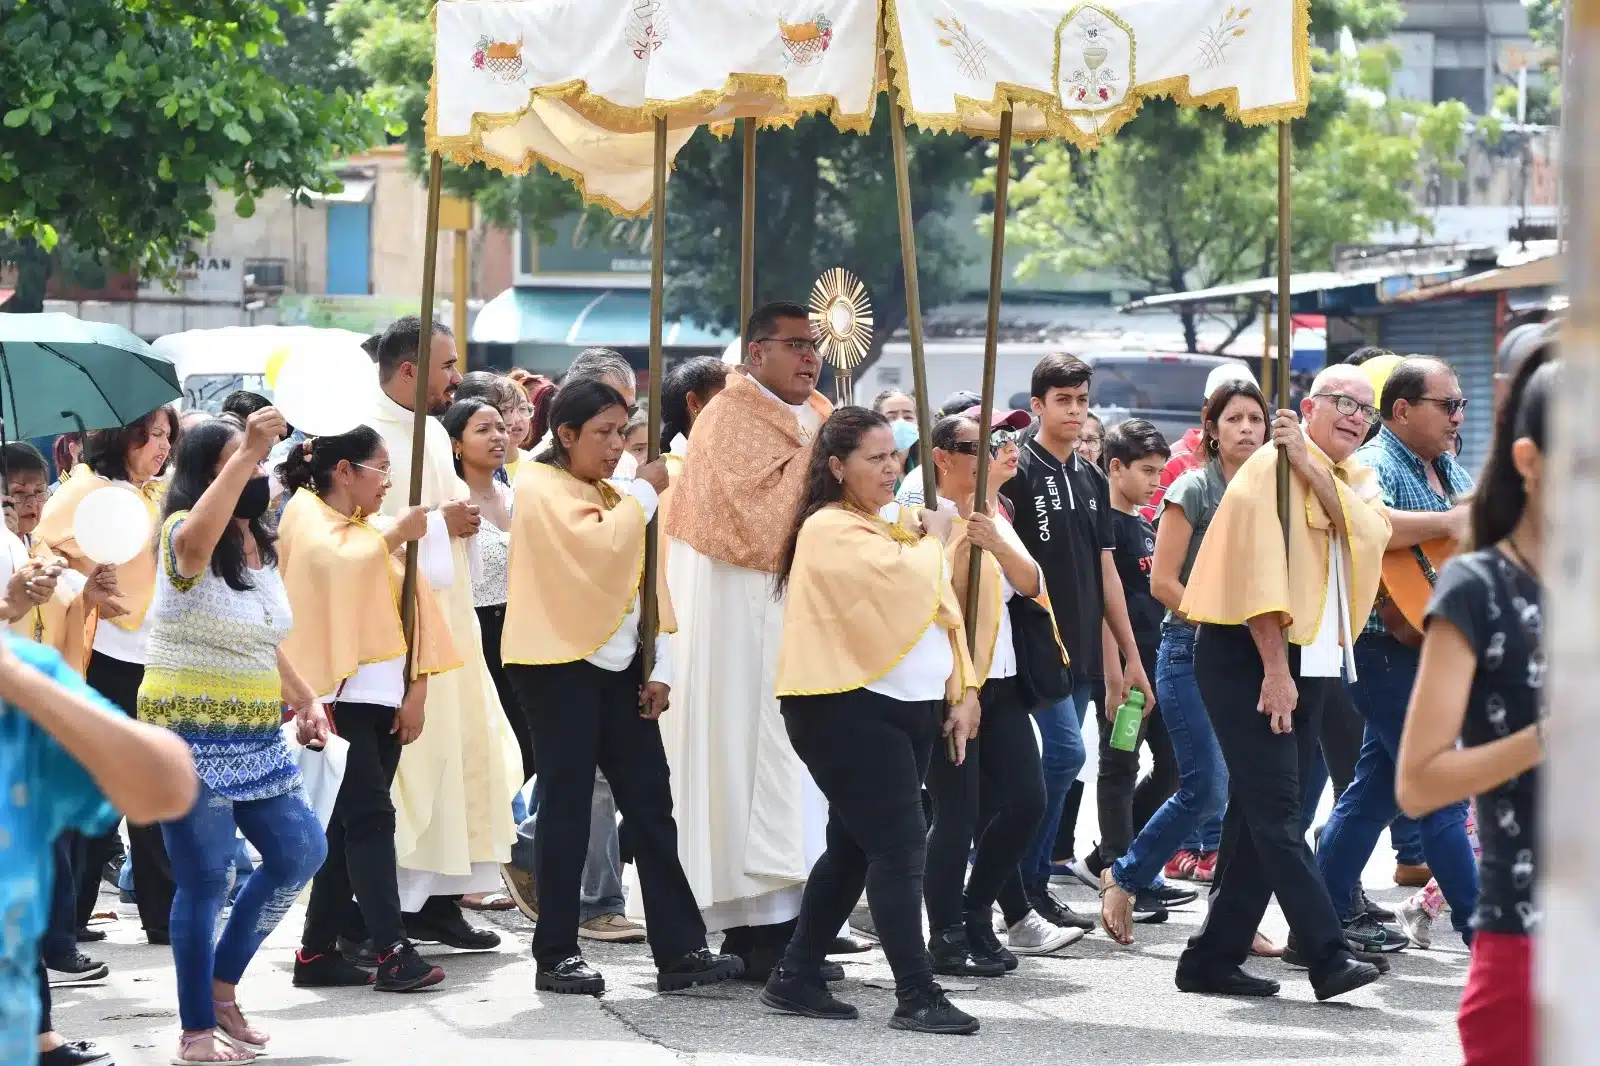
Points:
(419, 403)
(658, 256)
(908, 263)
(1285, 339)
(747, 229)
(991, 342)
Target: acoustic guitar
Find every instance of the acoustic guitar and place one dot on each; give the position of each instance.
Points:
(1408, 579)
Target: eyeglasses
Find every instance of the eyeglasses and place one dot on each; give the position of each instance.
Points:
(998, 439)
(31, 497)
(1349, 405)
(1450, 407)
(1089, 438)
(797, 345)
(387, 475)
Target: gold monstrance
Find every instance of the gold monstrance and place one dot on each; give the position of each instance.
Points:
(841, 318)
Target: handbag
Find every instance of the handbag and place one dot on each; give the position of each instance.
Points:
(1042, 677)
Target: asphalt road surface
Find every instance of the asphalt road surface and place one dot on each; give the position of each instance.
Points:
(1096, 1003)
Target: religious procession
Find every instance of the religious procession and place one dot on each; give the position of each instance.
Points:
(723, 662)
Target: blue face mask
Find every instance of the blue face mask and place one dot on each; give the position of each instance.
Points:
(905, 434)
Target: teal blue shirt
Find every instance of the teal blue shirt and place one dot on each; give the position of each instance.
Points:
(43, 793)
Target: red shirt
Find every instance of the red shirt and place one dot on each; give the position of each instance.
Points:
(1186, 455)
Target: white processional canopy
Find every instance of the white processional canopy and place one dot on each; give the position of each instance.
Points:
(578, 85)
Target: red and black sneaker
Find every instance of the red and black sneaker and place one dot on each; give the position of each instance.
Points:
(328, 969)
(401, 969)
(1205, 871)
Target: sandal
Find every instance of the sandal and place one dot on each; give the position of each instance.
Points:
(1263, 948)
(1116, 909)
(488, 901)
(247, 1037)
(220, 1050)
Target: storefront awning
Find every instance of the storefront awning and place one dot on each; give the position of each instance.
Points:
(584, 317)
(1540, 273)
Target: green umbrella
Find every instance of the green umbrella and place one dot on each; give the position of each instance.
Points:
(59, 374)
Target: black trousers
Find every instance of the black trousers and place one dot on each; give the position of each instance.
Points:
(361, 857)
(585, 718)
(492, 621)
(1003, 764)
(1264, 852)
(118, 682)
(1342, 729)
(45, 1024)
(1124, 801)
(869, 755)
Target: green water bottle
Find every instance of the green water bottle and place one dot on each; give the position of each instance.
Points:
(1125, 730)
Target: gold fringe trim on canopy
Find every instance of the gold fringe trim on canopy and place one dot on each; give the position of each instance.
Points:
(973, 117)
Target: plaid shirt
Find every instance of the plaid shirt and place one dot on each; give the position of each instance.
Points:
(1403, 477)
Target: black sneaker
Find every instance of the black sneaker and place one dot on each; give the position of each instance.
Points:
(86, 935)
(1229, 981)
(699, 967)
(831, 971)
(1171, 896)
(930, 1011)
(952, 956)
(1147, 909)
(1293, 957)
(75, 1053)
(452, 931)
(329, 969)
(1365, 933)
(809, 998)
(1347, 977)
(75, 969)
(983, 945)
(1362, 903)
(1055, 912)
(403, 970)
(360, 952)
(850, 945)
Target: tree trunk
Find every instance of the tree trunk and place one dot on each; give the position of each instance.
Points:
(1191, 328)
(33, 271)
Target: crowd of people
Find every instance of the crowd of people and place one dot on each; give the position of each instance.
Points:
(809, 717)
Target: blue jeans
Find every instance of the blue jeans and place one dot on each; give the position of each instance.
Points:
(1385, 672)
(1209, 836)
(201, 845)
(1406, 836)
(1202, 773)
(1062, 755)
(600, 891)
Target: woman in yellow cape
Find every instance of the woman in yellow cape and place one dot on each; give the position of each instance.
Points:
(343, 577)
(571, 646)
(872, 668)
(132, 458)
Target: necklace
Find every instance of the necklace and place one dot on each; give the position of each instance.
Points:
(1519, 558)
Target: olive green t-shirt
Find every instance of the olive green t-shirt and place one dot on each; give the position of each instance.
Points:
(1197, 493)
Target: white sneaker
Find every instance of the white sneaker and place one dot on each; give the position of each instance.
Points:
(1416, 924)
(1080, 871)
(1036, 936)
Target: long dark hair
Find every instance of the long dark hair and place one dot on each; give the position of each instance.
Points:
(1210, 442)
(194, 468)
(309, 465)
(455, 420)
(575, 403)
(697, 376)
(839, 438)
(1501, 497)
(105, 451)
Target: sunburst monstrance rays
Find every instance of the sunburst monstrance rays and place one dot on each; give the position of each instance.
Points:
(841, 319)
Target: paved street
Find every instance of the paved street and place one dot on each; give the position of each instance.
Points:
(1096, 1004)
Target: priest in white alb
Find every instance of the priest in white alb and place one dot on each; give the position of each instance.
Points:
(452, 792)
(750, 820)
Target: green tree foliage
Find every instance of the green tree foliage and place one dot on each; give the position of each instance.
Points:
(123, 118)
(1183, 199)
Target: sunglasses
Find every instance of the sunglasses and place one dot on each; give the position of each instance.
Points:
(998, 439)
(1450, 407)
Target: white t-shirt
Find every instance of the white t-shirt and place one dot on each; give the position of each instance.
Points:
(618, 652)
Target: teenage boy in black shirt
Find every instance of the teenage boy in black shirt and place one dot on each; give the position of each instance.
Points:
(1063, 514)
(1135, 453)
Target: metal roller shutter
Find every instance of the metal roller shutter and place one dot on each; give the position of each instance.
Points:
(1462, 333)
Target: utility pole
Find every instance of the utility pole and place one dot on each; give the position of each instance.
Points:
(1569, 941)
